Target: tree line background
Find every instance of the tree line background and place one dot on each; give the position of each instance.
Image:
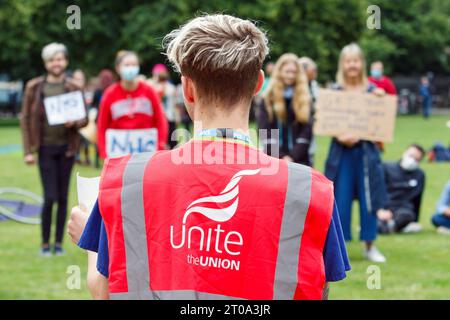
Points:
(414, 37)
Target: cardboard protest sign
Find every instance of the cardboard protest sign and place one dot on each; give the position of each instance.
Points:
(365, 115)
(122, 142)
(64, 108)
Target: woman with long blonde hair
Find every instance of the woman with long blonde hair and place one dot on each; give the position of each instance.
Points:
(354, 165)
(286, 107)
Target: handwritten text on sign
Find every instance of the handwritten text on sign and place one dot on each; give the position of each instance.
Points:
(64, 108)
(122, 142)
(364, 115)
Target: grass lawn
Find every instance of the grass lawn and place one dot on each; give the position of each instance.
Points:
(418, 265)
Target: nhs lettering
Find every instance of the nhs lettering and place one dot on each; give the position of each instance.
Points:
(122, 142)
(215, 239)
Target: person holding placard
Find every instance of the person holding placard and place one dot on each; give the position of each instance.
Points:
(131, 118)
(286, 107)
(355, 165)
(52, 113)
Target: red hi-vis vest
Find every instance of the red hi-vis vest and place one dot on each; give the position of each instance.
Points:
(181, 227)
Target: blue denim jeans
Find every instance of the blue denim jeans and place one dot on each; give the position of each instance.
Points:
(349, 184)
(440, 220)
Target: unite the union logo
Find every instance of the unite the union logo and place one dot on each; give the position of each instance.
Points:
(225, 242)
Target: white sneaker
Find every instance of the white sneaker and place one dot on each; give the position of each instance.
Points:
(412, 227)
(443, 230)
(374, 255)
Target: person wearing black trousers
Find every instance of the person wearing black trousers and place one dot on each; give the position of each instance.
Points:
(56, 145)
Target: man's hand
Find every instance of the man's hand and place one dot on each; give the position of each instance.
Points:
(347, 140)
(29, 159)
(447, 212)
(288, 158)
(385, 215)
(77, 222)
(70, 124)
(379, 92)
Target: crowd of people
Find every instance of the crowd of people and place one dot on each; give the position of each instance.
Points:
(389, 194)
(153, 102)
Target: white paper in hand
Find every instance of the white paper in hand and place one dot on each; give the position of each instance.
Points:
(88, 189)
(65, 107)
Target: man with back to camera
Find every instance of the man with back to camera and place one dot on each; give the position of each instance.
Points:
(201, 221)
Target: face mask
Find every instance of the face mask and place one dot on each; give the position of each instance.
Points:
(376, 73)
(408, 163)
(129, 73)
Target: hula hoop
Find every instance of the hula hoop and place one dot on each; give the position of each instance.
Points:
(10, 214)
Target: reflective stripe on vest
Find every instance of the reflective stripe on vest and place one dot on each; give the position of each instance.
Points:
(298, 273)
(295, 208)
(134, 232)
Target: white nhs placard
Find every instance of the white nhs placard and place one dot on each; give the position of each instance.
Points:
(64, 108)
(122, 142)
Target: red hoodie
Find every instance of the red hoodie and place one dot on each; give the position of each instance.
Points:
(138, 109)
(384, 83)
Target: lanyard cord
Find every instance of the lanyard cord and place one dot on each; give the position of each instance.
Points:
(225, 133)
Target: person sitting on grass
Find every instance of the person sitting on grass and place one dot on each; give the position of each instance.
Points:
(441, 219)
(405, 183)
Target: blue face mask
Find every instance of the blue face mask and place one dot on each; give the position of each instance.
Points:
(376, 74)
(129, 73)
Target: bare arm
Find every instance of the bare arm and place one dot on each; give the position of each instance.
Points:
(96, 282)
(326, 291)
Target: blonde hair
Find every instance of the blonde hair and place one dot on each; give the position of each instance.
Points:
(352, 48)
(222, 54)
(307, 63)
(274, 96)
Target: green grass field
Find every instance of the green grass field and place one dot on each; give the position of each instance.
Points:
(418, 265)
